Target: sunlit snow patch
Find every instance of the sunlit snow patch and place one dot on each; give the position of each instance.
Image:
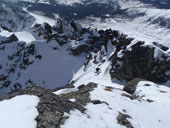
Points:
(19, 112)
(25, 36)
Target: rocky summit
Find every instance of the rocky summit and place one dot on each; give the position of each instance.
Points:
(79, 64)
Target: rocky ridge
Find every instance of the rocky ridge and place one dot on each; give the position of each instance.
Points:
(129, 60)
(54, 104)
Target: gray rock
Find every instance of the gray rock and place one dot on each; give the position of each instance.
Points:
(82, 96)
(139, 62)
(131, 86)
(123, 120)
(51, 107)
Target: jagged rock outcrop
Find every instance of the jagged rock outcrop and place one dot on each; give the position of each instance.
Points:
(123, 120)
(10, 39)
(131, 86)
(52, 107)
(69, 39)
(141, 61)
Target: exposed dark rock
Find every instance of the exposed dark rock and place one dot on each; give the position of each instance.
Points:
(48, 28)
(10, 39)
(70, 85)
(74, 25)
(78, 50)
(131, 86)
(161, 46)
(123, 120)
(5, 28)
(6, 83)
(99, 102)
(163, 91)
(129, 96)
(39, 57)
(51, 107)
(150, 101)
(140, 62)
(82, 96)
(29, 51)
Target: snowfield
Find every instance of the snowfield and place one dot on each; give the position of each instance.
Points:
(25, 36)
(136, 29)
(144, 22)
(19, 112)
(141, 112)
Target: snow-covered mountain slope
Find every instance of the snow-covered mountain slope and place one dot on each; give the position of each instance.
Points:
(51, 55)
(44, 60)
(19, 112)
(139, 20)
(101, 104)
(113, 107)
(65, 2)
(15, 19)
(62, 2)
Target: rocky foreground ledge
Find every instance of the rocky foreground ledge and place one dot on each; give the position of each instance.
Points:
(138, 104)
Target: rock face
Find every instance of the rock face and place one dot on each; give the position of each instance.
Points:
(52, 107)
(131, 86)
(132, 59)
(82, 96)
(140, 61)
(66, 39)
(10, 39)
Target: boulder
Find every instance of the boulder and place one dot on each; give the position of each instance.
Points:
(10, 39)
(131, 86)
(51, 107)
(123, 120)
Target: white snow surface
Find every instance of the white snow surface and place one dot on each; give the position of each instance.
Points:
(19, 112)
(137, 29)
(40, 19)
(146, 23)
(69, 2)
(55, 68)
(143, 114)
(63, 2)
(65, 91)
(25, 36)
